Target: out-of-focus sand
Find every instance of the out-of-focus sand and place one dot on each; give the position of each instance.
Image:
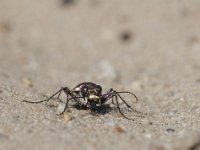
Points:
(151, 48)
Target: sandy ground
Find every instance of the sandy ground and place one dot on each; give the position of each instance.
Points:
(151, 48)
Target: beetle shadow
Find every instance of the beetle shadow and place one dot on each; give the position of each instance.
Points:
(101, 110)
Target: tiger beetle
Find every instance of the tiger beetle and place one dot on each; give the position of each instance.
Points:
(90, 95)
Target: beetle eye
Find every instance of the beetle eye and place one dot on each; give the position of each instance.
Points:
(98, 89)
(84, 90)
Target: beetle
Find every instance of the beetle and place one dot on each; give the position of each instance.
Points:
(89, 95)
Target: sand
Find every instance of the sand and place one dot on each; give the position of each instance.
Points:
(151, 48)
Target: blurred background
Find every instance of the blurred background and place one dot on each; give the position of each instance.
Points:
(69, 41)
(151, 48)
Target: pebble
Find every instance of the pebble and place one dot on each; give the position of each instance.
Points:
(66, 117)
(27, 82)
(119, 129)
(4, 28)
(125, 36)
(67, 2)
(170, 130)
